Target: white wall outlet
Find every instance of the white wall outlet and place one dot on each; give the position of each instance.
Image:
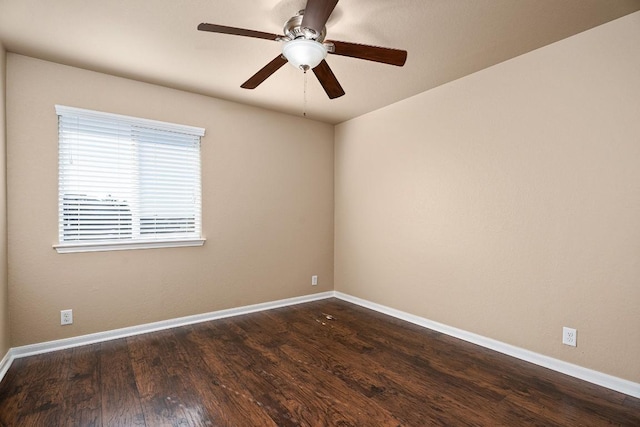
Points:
(569, 336)
(314, 280)
(66, 317)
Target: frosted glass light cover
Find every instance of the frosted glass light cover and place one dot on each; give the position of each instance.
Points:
(302, 53)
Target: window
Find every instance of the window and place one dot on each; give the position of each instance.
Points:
(126, 183)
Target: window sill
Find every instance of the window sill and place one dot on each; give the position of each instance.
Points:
(66, 248)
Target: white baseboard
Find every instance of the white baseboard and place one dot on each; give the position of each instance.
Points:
(614, 383)
(5, 363)
(618, 384)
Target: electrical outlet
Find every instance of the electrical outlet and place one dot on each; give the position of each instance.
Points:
(314, 280)
(66, 317)
(569, 336)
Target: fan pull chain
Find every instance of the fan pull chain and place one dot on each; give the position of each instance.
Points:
(304, 102)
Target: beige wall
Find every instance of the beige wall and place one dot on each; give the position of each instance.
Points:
(4, 301)
(507, 203)
(267, 209)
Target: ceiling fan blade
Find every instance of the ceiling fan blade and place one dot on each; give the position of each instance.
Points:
(328, 80)
(264, 72)
(371, 53)
(316, 14)
(237, 31)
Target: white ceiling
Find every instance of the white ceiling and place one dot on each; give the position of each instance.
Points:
(156, 41)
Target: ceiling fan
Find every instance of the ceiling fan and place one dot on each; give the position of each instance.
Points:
(304, 46)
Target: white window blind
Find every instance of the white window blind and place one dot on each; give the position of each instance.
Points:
(126, 180)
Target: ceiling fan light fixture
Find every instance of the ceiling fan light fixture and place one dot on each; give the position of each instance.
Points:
(304, 54)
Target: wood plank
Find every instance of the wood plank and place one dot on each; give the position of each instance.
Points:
(81, 392)
(40, 391)
(120, 398)
(12, 391)
(224, 403)
(242, 391)
(167, 396)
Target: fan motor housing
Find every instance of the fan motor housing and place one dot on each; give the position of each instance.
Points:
(293, 30)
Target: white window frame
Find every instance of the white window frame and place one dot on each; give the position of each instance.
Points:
(158, 241)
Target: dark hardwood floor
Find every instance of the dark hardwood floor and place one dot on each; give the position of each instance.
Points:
(325, 363)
